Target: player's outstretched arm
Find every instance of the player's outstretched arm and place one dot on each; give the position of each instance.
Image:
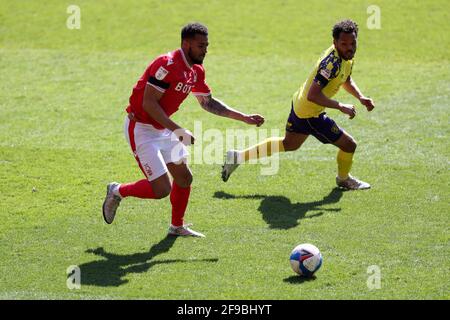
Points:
(219, 108)
(316, 96)
(351, 87)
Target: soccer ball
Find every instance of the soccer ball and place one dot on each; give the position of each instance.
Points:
(305, 259)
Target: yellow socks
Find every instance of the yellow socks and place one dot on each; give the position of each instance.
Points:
(263, 149)
(344, 161)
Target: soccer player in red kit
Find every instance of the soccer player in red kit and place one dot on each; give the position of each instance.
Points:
(157, 142)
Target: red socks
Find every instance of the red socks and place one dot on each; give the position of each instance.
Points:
(179, 198)
(139, 189)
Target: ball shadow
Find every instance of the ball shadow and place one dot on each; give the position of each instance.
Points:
(296, 279)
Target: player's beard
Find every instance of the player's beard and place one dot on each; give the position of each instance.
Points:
(195, 60)
(348, 55)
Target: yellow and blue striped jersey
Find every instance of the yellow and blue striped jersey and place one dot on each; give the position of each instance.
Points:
(330, 72)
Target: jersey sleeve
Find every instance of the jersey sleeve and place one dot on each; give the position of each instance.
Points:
(327, 70)
(201, 88)
(159, 75)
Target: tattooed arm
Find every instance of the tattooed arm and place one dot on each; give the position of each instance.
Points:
(219, 108)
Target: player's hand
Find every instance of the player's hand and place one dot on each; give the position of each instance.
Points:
(185, 136)
(367, 102)
(256, 119)
(348, 109)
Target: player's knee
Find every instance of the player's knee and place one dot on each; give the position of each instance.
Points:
(189, 180)
(350, 145)
(162, 192)
(353, 145)
(185, 181)
(290, 145)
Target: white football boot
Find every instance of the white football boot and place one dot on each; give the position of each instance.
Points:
(111, 203)
(231, 164)
(352, 183)
(184, 231)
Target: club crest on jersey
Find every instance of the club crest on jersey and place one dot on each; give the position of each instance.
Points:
(335, 129)
(161, 73)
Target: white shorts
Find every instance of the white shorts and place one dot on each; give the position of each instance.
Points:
(153, 148)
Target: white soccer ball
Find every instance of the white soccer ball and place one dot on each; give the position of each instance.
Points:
(306, 259)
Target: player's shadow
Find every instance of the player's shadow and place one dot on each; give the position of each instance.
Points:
(111, 270)
(280, 213)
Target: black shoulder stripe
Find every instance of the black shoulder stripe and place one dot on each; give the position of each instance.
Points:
(158, 83)
(320, 80)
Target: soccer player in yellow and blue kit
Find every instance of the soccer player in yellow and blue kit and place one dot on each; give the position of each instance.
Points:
(332, 71)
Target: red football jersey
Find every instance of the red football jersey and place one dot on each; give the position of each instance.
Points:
(169, 73)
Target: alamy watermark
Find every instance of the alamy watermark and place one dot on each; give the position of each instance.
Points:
(73, 277)
(211, 145)
(74, 19)
(374, 19)
(374, 278)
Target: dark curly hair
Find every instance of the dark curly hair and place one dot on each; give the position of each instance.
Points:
(346, 26)
(190, 30)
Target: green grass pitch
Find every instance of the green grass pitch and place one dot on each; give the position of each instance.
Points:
(62, 99)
